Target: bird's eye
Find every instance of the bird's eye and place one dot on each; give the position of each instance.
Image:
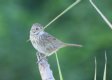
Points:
(36, 28)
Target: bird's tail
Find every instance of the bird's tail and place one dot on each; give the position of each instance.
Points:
(76, 45)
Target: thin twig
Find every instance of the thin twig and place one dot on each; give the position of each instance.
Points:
(66, 10)
(101, 14)
(105, 69)
(95, 69)
(59, 69)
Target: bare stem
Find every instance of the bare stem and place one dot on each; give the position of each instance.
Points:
(95, 69)
(105, 69)
(101, 14)
(59, 69)
(66, 10)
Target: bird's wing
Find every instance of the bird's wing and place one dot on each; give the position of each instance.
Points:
(51, 40)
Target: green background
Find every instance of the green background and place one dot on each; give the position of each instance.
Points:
(81, 25)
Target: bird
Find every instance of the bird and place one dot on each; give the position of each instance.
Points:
(44, 42)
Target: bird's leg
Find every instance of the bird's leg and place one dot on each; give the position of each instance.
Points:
(40, 57)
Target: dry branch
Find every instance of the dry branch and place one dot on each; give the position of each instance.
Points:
(44, 68)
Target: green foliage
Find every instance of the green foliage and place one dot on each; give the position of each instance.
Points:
(81, 25)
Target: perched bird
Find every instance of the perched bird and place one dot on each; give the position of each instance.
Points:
(45, 43)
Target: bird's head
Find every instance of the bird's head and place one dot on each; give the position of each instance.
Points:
(36, 28)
